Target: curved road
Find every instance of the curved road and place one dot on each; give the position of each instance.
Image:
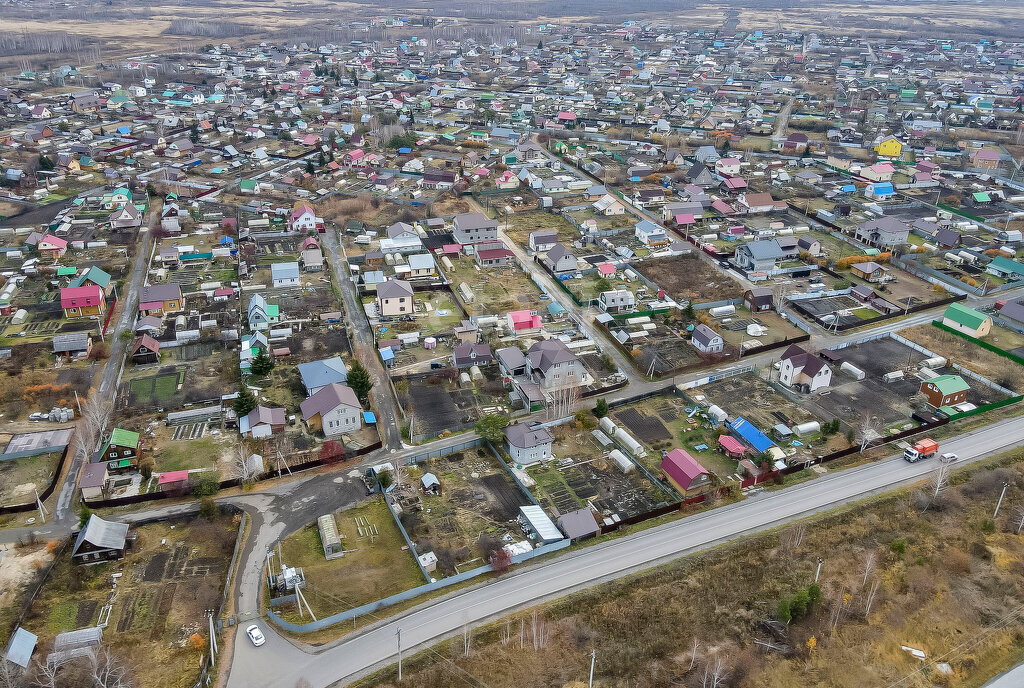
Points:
(279, 663)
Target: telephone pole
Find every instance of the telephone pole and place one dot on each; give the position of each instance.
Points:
(593, 659)
(399, 634)
(999, 503)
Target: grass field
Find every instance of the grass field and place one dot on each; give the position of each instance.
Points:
(19, 477)
(376, 567)
(970, 355)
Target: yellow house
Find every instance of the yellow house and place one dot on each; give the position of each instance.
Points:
(890, 147)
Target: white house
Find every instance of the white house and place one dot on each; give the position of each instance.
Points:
(334, 409)
(284, 274)
(650, 234)
(803, 371)
(394, 297)
(617, 301)
(526, 446)
(706, 340)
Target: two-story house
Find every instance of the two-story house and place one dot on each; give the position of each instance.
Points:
(394, 298)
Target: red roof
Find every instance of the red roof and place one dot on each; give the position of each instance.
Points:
(452, 248)
(493, 253)
(682, 468)
(172, 477)
(731, 444)
(685, 219)
(606, 269)
(77, 297)
(56, 242)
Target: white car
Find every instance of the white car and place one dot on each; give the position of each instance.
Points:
(949, 457)
(255, 635)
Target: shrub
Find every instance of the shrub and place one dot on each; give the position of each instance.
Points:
(898, 546)
(205, 484)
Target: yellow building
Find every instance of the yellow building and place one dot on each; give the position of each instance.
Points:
(891, 147)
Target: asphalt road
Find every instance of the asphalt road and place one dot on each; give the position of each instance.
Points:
(279, 663)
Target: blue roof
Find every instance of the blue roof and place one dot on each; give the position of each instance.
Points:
(387, 354)
(322, 373)
(885, 188)
(750, 434)
(403, 151)
(368, 417)
(555, 308)
(21, 647)
(850, 188)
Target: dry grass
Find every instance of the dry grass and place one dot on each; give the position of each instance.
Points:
(969, 355)
(944, 576)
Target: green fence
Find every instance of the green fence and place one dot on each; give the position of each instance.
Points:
(983, 344)
(962, 213)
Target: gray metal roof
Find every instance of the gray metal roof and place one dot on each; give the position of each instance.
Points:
(19, 650)
(102, 534)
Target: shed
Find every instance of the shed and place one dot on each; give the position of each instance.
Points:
(537, 524)
(579, 524)
(21, 647)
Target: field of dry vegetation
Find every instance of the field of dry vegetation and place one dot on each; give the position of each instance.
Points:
(939, 575)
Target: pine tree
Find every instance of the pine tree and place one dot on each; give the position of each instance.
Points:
(245, 402)
(601, 408)
(261, 364)
(360, 382)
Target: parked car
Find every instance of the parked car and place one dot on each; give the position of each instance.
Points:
(949, 457)
(255, 635)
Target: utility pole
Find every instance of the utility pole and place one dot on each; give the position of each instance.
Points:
(998, 504)
(398, 632)
(593, 659)
(818, 572)
(213, 639)
(42, 509)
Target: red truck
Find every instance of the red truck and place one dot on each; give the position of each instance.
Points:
(922, 449)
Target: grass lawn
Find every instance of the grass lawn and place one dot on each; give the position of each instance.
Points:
(375, 568)
(865, 313)
(18, 477)
(187, 454)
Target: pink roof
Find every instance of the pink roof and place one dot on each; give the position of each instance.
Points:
(452, 248)
(883, 167)
(525, 320)
(570, 116)
(731, 444)
(606, 269)
(722, 207)
(682, 468)
(172, 477)
(223, 292)
(77, 297)
(492, 253)
(736, 183)
(302, 210)
(685, 219)
(54, 241)
(986, 154)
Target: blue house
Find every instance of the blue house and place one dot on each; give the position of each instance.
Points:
(880, 191)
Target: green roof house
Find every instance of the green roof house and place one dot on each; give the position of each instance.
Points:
(94, 275)
(945, 390)
(966, 320)
(123, 444)
(1005, 268)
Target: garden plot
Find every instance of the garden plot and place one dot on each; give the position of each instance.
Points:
(827, 310)
(665, 349)
(174, 574)
(438, 402)
(582, 475)
(774, 328)
(691, 278)
(472, 514)
(377, 562)
(519, 226)
(496, 291)
(999, 369)
(159, 388)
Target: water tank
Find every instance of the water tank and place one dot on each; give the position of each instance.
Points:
(853, 370)
(631, 445)
(430, 343)
(620, 459)
(811, 427)
(607, 425)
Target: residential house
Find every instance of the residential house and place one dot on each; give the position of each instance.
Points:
(528, 446)
(52, 247)
(759, 203)
(883, 232)
(144, 349)
(394, 298)
(945, 390)
(870, 271)
(72, 345)
(757, 299)
(543, 240)
(173, 482)
(304, 219)
(466, 355)
(312, 260)
(100, 541)
(985, 159)
(706, 340)
(125, 217)
(83, 302)
(617, 301)
(260, 314)
(810, 245)
(646, 198)
(160, 299)
(262, 421)
(422, 266)
(879, 172)
(316, 375)
(700, 175)
(609, 205)
(651, 234)
(123, 445)
(684, 472)
(1005, 268)
(524, 322)
(889, 147)
(560, 260)
(554, 366)
(94, 275)
(493, 257)
(967, 320)
(803, 371)
(92, 481)
(473, 228)
(757, 256)
(334, 409)
(284, 275)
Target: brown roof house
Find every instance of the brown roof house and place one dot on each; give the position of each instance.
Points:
(262, 421)
(334, 409)
(145, 349)
(100, 541)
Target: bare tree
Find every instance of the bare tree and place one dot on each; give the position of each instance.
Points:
(11, 675)
(866, 430)
(109, 672)
(693, 654)
(94, 415)
(939, 480)
(245, 470)
(869, 566)
(872, 593)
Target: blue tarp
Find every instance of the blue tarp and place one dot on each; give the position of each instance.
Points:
(369, 418)
(746, 431)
